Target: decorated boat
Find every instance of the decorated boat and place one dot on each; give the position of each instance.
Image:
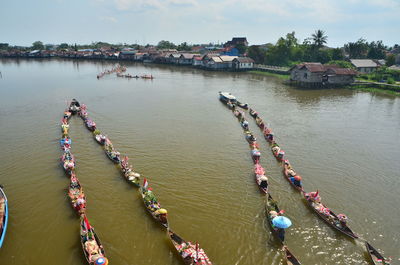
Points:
(3, 215)
(91, 245)
(152, 204)
(227, 97)
(76, 195)
(191, 253)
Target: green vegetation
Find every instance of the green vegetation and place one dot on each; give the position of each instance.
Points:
(375, 90)
(383, 74)
(281, 76)
(288, 51)
(37, 45)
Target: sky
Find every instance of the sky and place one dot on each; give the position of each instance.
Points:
(196, 21)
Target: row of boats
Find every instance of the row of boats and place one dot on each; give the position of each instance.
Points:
(313, 199)
(92, 247)
(129, 76)
(190, 253)
(116, 69)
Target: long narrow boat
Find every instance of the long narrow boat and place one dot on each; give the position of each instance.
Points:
(332, 219)
(272, 206)
(375, 256)
(152, 205)
(191, 254)
(115, 159)
(76, 195)
(261, 178)
(286, 175)
(90, 241)
(3, 215)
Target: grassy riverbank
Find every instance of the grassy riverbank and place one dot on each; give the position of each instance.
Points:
(281, 76)
(375, 90)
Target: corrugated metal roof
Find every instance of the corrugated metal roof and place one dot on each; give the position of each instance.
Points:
(363, 63)
(244, 60)
(216, 59)
(227, 58)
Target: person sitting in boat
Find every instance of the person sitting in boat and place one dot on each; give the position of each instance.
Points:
(275, 148)
(93, 249)
(254, 145)
(250, 137)
(342, 219)
(263, 182)
(296, 180)
(245, 124)
(280, 231)
(280, 154)
(162, 215)
(313, 196)
(2, 211)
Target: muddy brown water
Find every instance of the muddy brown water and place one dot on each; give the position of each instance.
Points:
(193, 152)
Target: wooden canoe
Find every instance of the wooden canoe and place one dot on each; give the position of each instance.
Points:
(193, 255)
(90, 234)
(272, 206)
(148, 208)
(332, 222)
(285, 173)
(4, 217)
(375, 256)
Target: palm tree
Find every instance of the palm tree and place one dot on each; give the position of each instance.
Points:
(319, 38)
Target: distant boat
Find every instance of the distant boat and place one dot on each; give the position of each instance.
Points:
(227, 97)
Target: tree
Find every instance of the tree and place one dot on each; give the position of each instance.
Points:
(4, 46)
(183, 47)
(257, 54)
(337, 54)
(63, 46)
(376, 50)
(390, 60)
(319, 38)
(164, 44)
(241, 48)
(37, 45)
(358, 49)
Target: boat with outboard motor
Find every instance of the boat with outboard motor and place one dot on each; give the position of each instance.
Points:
(191, 254)
(227, 97)
(91, 245)
(3, 215)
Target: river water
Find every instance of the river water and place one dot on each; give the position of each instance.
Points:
(192, 149)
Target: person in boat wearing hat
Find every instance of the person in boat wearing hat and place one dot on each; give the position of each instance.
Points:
(92, 249)
(296, 180)
(342, 219)
(313, 196)
(162, 215)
